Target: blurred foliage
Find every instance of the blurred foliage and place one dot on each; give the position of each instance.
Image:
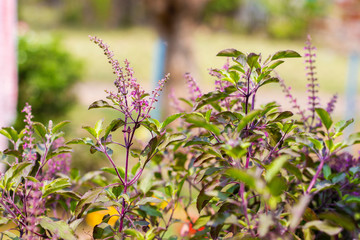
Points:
(279, 19)
(46, 74)
(88, 13)
(220, 13)
(293, 18)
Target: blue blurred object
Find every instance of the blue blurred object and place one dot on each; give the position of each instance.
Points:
(159, 69)
(351, 89)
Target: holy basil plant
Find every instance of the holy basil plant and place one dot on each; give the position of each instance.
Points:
(222, 167)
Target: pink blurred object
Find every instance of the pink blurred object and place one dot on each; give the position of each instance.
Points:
(8, 68)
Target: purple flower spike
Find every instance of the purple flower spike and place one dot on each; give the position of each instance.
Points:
(331, 104)
(313, 86)
(28, 145)
(130, 97)
(193, 87)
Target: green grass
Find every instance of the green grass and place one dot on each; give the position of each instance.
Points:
(138, 45)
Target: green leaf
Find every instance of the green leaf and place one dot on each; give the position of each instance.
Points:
(40, 129)
(58, 151)
(146, 183)
(198, 141)
(198, 120)
(210, 171)
(98, 127)
(61, 228)
(135, 168)
(102, 230)
(10, 235)
(202, 200)
(326, 171)
(324, 226)
(269, 80)
(85, 141)
(325, 117)
(352, 199)
(338, 177)
(117, 191)
(323, 185)
(275, 135)
(90, 130)
(186, 101)
(144, 95)
(283, 115)
(14, 174)
(154, 121)
(241, 176)
(341, 125)
(100, 104)
(354, 170)
(32, 179)
(208, 115)
(60, 125)
(14, 153)
(55, 185)
(153, 232)
(209, 98)
(112, 171)
(69, 194)
(275, 167)
(87, 198)
(150, 149)
(230, 52)
(340, 219)
(169, 120)
(3, 220)
(6, 134)
(285, 54)
(247, 119)
(277, 186)
(354, 138)
(275, 64)
(10, 133)
(293, 170)
(134, 233)
(114, 125)
(238, 67)
(171, 139)
(214, 231)
(150, 210)
(252, 60)
(201, 221)
(143, 201)
(74, 224)
(317, 144)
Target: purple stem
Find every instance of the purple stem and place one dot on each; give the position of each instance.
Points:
(128, 143)
(112, 163)
(312, 183)
(137, 176)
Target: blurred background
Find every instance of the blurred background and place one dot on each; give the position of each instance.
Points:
(61, 72)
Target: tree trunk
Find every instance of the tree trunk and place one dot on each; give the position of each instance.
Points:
(176, 21)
